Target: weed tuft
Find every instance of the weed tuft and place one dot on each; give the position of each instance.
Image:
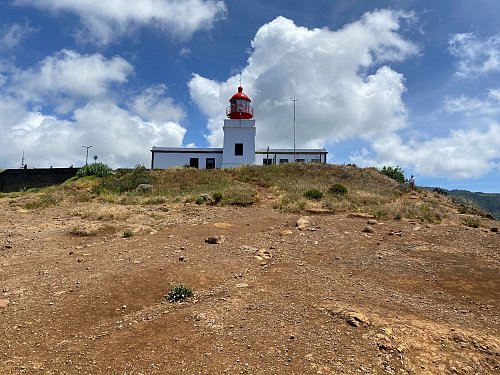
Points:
(179, 293)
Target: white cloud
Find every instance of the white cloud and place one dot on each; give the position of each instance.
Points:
(476, 56)
(488, 106)
(341, 88)
(120, 134)
(105, 21)
(153, 105)
(68, 75)
(463, 154)
(13, 34)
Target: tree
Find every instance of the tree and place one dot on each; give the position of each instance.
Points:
(396, 173)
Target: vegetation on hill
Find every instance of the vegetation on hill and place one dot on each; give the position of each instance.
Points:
(489, 202)
(293, 187)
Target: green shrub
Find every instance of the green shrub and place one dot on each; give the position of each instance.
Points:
(397, 216)
(472, 222)
(217, 197)
(338, 189)
(127, 234)
(313, 194)
(396, 173)
(125, 180)
(96, 169)
(179, 292)
(199, 200)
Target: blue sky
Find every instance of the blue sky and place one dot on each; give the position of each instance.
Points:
(408, 83)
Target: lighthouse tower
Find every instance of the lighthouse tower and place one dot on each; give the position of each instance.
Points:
(239, 132)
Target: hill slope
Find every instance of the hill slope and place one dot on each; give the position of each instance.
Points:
(489, 202)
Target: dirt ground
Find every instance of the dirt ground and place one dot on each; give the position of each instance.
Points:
(78, 298)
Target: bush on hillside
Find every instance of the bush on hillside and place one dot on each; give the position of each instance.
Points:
(313, 194)
(396, 173)
(126, 180)
(96, 169)
(338, 189)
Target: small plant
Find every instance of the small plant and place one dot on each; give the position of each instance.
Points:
(313, 194)
(396, 173)
(127, 234)
(397, 216)
(179, 292)
(472, 222)
(338, 189)
(217, 197)
(96, 169)
(199, 200)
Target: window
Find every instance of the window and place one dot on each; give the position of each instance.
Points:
(193, 162)
(238, 148)
(282, 161)
(300, 160)
(267, 161)
(210, 163)
(315, 160)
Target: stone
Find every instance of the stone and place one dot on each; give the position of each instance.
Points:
(372, 222)
(287, 232)
(367, 229)
(4, 303)
(144, 188)
(215, 240)
(263, 254)
(304, 222)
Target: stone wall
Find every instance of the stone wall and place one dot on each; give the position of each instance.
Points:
(19, 179)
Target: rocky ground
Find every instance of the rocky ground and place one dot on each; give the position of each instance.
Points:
(343, 295)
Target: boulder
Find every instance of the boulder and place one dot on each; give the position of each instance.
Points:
(304, 222)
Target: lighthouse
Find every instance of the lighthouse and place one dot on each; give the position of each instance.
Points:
(239, 132)
(238, 146)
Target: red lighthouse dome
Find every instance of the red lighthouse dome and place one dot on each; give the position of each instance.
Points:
(239, 107)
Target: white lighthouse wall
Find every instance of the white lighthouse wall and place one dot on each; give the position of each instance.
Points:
(164, 157)
(238, 131)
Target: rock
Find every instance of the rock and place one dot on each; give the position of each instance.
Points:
(144, 188)
(215, 240)
(494, 229)
(4, 303)
(354, 318)
(367, 229)
(249, 248)
(372, 222)
(304, 222)
(360, 215)
(287, 232)
(263, 254)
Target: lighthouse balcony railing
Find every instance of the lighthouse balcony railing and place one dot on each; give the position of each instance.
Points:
(239, 109)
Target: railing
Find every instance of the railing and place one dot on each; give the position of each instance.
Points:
(239, 109)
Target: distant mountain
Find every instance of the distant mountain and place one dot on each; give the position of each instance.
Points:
(489, 202)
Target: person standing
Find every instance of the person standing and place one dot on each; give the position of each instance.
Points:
(412, 183)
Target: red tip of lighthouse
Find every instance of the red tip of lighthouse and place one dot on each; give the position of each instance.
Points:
(239, 107)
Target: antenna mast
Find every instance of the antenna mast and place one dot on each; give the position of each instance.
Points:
(22, 160)
(294, 145)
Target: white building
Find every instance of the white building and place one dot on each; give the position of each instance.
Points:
(238, 148)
